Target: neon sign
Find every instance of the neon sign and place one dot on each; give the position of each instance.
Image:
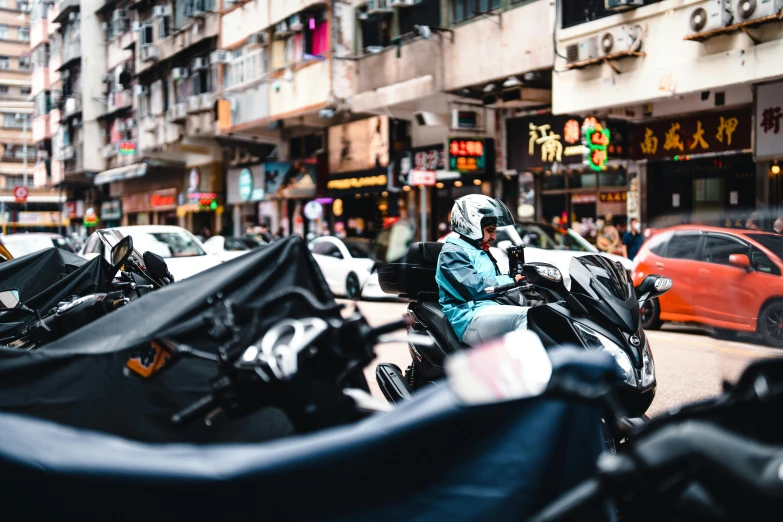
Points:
(596, 139)
(127, 148)
(466, 155)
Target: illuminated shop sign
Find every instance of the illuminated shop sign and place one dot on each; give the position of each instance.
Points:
(467, 155)
(596, 140)
(357, 183)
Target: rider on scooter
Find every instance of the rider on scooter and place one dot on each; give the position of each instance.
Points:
(466, 268)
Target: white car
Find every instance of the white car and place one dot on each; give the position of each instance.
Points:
(183, 253)
(26, 243)
(347, 266)
(545, 244)
(227, 248)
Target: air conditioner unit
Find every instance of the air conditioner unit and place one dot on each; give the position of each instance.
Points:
(295, 23)
(149, 53)
(260, 38)
(710, 15)
(199, 63)
(161, 10)
(752, 9)
(379, 6)
(401, 3)
(119, 14)
(104, 26)
(220, 56)
(584, 50)
(136, 26)
(139, 90)
(179, 73)
(130, 123)
(282, 29)
(72, 16)
(619, 39)
(465, 119)
(622, 5)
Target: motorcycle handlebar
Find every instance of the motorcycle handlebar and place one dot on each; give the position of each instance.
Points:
(505, 288)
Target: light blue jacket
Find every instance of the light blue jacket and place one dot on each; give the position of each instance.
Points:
(463, 273)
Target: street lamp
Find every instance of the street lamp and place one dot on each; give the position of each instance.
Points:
(23, 117)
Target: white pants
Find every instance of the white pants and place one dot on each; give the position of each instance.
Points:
(491, 322)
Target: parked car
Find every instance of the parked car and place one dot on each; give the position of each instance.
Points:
(27, 243)
(226, 248)
(544, 244)
(727, 279)
(184, 254)
(347, 265)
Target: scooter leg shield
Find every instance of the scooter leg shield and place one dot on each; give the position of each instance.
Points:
(392, 383)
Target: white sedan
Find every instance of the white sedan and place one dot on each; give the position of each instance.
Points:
(545, 244)
(347, 266)
(183, 253)
(227, 248)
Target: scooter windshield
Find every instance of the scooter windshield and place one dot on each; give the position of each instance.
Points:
(607, 284)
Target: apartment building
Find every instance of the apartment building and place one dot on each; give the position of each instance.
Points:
(697, 85)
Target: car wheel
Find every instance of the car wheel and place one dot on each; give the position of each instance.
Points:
(771, 324)
(352, 288)
(651, 315)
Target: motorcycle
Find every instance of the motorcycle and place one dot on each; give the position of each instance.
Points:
(719, 459)
(77, 311)
(600, 312)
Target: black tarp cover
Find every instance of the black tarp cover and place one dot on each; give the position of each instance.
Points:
(33, 273)
(79, 379)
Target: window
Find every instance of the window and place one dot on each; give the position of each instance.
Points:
(683, 246)
(233, 244)
(5, 63)
(147, 36)
(3, 89)
(717, 249)
(464, 9)
(23, 34)
(24, 63)
(25, 90)
(658, 243)
(762, 263)
(575, 12)
(326, 248)
(3, 4)
(376, 31)
(425, 12)
(10, 121)
(119, 23)
(164, 26)
(200, 81)
(3, 32)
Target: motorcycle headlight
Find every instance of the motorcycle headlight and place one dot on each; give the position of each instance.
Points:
(648, 365)
(549, 272)
(596, 341)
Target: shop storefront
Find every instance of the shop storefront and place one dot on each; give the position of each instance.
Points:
(150, 208)
(244, 190)
(358, 178)
(468, 168)
(288, 186)
(111, 213)
(200, 204)
(769, 142)
(570, 168)
(696, 168)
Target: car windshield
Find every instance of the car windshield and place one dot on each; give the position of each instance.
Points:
(23, 244)
(167, 244)
(360, 249)
(772, 242)
(548, 237)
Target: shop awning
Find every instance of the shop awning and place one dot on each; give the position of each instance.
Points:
(35, 199)
(135, 170)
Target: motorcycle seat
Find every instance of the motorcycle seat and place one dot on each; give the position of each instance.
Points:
(432, 315)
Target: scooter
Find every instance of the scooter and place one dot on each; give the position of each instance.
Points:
(600, 312)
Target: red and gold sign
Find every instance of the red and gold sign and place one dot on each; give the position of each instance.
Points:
(467, 155)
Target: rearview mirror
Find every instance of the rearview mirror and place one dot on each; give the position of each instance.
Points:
(156, 265)
(392, 243)
(9, 299)
(652, 286)
(121, 252)
(740, 261)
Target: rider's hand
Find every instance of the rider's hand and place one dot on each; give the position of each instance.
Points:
(518, 278)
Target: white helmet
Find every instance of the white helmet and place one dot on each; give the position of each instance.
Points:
(473, 212)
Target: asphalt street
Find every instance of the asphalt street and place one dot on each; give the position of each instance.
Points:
(690, 365)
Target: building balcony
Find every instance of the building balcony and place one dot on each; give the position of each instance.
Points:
(72, 52)
(72, 106)
(306, 89)
(180, 41)
(41, 128)
(66, 7)
(51, 14)
(55, 61)
(280, 11)
(201, 102)
(200, 125)
(40, 80)
(120, 49)
(118, 101)
(177, 113)
(41, 173)
(54, 121)
(39, 33)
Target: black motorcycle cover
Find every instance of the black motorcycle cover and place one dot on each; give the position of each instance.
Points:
(91, 277)
(33, 273)
(431, 459)
(82, 380)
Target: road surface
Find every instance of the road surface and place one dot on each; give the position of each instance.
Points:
(689, 364)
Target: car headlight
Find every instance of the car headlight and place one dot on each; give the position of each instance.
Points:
(596, 341)
(549, 272)
(648, 365)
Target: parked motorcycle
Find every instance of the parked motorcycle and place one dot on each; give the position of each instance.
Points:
(600, 312)
(719, 459)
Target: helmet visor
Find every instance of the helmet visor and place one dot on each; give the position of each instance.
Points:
(497, 214)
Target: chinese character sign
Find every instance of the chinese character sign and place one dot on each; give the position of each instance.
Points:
(596, 140)
(467, 155)
(769, 112)
(719, 131)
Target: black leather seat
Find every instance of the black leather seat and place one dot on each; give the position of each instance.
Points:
(432, 315)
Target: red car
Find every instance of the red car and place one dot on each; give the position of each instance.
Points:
(727, 279)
